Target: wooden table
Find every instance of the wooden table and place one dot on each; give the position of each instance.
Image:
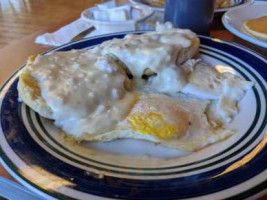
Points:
(14, 55)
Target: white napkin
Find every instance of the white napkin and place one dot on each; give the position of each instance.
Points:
(66, 33)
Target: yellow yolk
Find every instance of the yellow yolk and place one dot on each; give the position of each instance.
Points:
(152, 124)
(158, 116)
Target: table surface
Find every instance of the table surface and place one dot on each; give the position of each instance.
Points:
(15, 54)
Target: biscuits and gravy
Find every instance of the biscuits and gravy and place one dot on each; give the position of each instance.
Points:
(146, 86)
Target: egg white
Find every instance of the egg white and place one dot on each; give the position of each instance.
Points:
(199, 133)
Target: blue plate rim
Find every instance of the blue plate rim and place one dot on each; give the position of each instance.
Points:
(264, 183)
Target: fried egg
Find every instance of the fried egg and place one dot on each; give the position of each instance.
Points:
(178, 122)
(224, 90)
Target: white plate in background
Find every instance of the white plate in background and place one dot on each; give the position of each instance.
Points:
(234, 19)
(237, 4)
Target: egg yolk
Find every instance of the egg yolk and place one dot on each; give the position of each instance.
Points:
(152, 124)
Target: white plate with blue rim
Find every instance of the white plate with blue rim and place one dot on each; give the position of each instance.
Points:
(236, 3)
(233, 20)
(34, 152)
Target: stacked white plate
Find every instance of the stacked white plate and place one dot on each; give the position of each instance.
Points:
(234, 19)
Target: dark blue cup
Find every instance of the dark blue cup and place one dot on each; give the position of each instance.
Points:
(196, 15)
